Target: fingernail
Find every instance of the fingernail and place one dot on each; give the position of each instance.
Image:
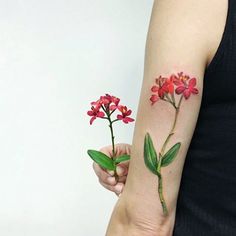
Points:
(119, 194)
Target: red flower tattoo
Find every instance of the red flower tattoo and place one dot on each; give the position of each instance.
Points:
(167, 89)
(164, 88)
(187, 87)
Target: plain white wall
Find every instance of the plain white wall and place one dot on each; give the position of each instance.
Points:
(55, 57)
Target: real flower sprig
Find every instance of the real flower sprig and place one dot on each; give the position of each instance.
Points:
(104, 108)
(167, 89)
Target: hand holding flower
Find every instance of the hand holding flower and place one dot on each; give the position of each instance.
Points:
(106, 178)
(104, 108)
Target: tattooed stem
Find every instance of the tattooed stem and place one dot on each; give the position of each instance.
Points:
(161, 154)
(160, 187)
(160, 191)
(173, 126)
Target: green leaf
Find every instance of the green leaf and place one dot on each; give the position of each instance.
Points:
(170, 155)
(122, 158)
(101, 159)
(150, 155)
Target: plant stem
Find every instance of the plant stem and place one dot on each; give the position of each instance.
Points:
(161, 154)
(112, 138)
(112, 141)
(111, 129)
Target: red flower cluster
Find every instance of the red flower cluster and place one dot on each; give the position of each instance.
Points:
(105, 106)
(180, 84)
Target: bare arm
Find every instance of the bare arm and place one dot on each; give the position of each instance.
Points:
(178, 40)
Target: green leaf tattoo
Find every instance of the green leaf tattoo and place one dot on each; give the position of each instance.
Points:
(165, 89)
(150, 155)
(170, 155)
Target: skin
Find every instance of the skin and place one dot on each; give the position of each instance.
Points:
(185, 41)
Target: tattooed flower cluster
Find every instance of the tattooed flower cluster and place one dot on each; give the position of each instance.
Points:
(105, 106)
(165, 87)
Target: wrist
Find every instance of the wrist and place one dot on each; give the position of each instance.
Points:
(129, 218)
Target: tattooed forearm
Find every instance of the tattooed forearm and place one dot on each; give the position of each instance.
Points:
(172, 90)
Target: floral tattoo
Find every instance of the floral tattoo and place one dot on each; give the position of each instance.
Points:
(167, 89)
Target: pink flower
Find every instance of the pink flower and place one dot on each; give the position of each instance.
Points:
(154, 98)
(160, 89)
(125, 113)
(109, 102)
(187, 87)
(95, 112)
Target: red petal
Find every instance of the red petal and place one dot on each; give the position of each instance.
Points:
(130, 119)
(186, 93)
(92, 119)
(194, 90)
(161, 93)
(119, 117)
(177, 82)
(115, 100)
(127, 120)
(100, 114)
(192, 82)
(154, 89)
(180, 89)
(90, 113)
(171, 88)
(128, 113)
(154, 98)
(94, 103)
(113, 107)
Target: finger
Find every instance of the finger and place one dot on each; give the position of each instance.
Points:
(117, 189)
(122, 148)
(105, 178)
(107, 150)
(122, 179)
(107, 186)
(103, 175)
(122, 169)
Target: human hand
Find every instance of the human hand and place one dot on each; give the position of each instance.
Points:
(107, 178)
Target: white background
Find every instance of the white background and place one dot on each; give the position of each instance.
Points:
(55, 57)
